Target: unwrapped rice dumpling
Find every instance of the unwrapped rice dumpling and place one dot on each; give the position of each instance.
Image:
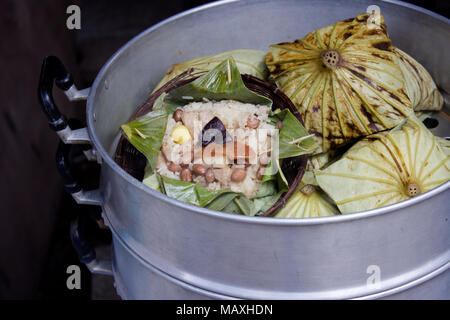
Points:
(213, 142)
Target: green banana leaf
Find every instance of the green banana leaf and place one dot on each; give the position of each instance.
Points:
(152, 181)
(219, 200)
(246, 206)
(265, 203)
(273, 172)
(294, 139)
(190, 192)
(267, 188)
(146, 134)
(232, 207)
(273, 185)
(248, 61)
(222, 201)
(224, 82)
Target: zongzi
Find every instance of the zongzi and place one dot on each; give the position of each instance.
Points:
(420, 87)
(386, 168)
(308, 201)
(344, 79)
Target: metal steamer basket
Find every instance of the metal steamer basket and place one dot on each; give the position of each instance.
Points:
(167, 249)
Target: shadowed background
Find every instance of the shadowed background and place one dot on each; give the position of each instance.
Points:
(35, 248)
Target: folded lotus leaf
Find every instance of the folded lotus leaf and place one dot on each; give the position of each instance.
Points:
(422, 115)
(445, 145)
(308, 201)
(320, 160)
(344, 79)
(248, 62)
(420, 87)
(386, 168)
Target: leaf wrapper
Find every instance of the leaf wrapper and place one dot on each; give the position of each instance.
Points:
(146, 134)
(359, 93)
(248, 62)
(420, 87)
(291, 131)
(190, 192)
(224, 82)
(218, 200)
(301, 205)
(381, 169)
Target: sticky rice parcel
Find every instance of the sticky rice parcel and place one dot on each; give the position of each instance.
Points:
(222, 145)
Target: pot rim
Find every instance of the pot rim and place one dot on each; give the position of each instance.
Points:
(230, 216)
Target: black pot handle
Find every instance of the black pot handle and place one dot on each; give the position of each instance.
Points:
(71, 185)
(62, 156)
(53, 71)
(85, 251)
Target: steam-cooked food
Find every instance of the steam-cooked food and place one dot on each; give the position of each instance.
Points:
(445, 144)
(386, 168)
(344, 79)
(224, 138)
(217, 144)
(420, 87)
(214, 143)
(349, 82)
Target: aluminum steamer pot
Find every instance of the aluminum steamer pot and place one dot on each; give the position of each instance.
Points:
(163, 248)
